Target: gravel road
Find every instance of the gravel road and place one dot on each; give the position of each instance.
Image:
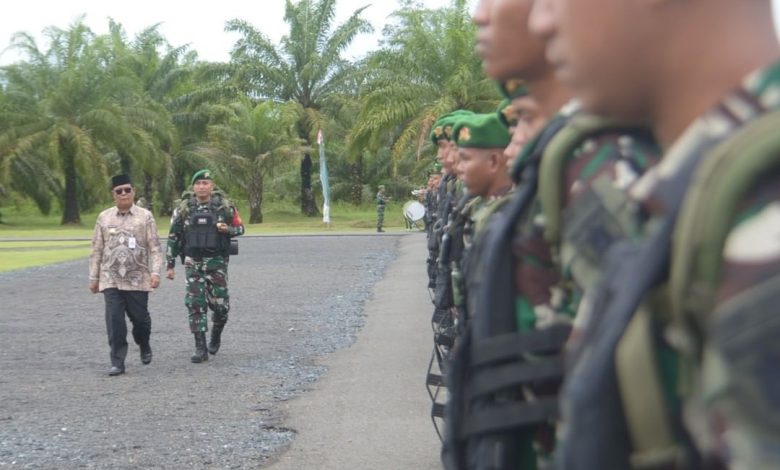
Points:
(293, 300)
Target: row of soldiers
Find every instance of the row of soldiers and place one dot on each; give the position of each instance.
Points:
(603, 249)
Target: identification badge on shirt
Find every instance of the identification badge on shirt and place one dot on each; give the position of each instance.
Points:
(131, 242)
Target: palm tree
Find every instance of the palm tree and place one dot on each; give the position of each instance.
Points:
(163, 78)
(307, 67)
(248, 142)
(77, 112)
(64, 95)
(427, 67)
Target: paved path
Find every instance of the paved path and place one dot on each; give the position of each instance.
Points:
(294, 300)
(370, 410)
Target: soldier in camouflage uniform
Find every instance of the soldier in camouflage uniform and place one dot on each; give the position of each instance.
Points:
(430, 198)
(511, 363)
(201, 229)
(444, 251)
(381, 202)
(481, 140)
(694, 383)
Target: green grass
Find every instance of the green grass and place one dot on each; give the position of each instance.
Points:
(28, 238)
(14, 260)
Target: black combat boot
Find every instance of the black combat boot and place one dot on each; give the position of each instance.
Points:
(146, 353)
(201, 354)
(216, 338)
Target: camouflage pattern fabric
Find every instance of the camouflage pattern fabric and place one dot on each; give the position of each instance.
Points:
(206, 288)
(381, 202)
(206, 276)
(725, 388)
(545, 290)
(733, 410)
(380, 216)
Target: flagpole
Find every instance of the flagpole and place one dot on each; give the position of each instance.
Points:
(324, 180)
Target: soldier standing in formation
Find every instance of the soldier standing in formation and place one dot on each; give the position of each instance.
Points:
(201, 229)
(381, 202)
(525, 304)
(681, 352)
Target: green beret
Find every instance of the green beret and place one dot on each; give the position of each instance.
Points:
(442, 128)
(512, 88)
(482, 131)
(506, 113)
(203, 174)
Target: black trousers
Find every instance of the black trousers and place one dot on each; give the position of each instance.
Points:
(134, 304)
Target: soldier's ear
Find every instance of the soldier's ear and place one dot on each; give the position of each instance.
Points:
(495, 159)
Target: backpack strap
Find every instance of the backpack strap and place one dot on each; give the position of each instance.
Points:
(707, 215)
(708, 209)
(551, 169)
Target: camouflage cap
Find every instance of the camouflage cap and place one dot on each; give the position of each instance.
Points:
(481, 131)
(204, 174)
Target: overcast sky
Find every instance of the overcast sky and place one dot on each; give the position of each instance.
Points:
(199, 23)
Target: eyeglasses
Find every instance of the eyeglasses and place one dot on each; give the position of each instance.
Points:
(119, 191)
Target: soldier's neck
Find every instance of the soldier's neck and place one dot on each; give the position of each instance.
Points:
(204, 199)
(707, 67)
(549, 94)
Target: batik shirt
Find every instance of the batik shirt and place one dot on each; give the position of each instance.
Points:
(125, 250)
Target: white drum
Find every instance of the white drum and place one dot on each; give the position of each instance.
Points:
(414, 211)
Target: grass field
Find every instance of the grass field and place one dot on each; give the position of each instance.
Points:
(28, 238)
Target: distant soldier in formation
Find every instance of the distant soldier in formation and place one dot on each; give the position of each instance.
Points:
(201, 229)
(381, 202)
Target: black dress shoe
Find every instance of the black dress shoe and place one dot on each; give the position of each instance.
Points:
(146, 353)
(116, 371)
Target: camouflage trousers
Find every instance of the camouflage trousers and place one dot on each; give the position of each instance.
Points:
(206, 288)
(380, 215)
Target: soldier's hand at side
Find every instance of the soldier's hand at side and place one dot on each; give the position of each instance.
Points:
(222, 227)
(155, 281)
(170, 274)
(93, 287)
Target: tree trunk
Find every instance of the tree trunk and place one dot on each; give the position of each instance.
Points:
(308, 205)
(70, 213)
(356, 173)
(256, 198)
(148, 190)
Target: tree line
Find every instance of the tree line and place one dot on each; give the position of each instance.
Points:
(88, 106)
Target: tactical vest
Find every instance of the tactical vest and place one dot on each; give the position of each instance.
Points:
(486, 414)
(472, 265)
(615, 392)
(443, 296)
(201, 236)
